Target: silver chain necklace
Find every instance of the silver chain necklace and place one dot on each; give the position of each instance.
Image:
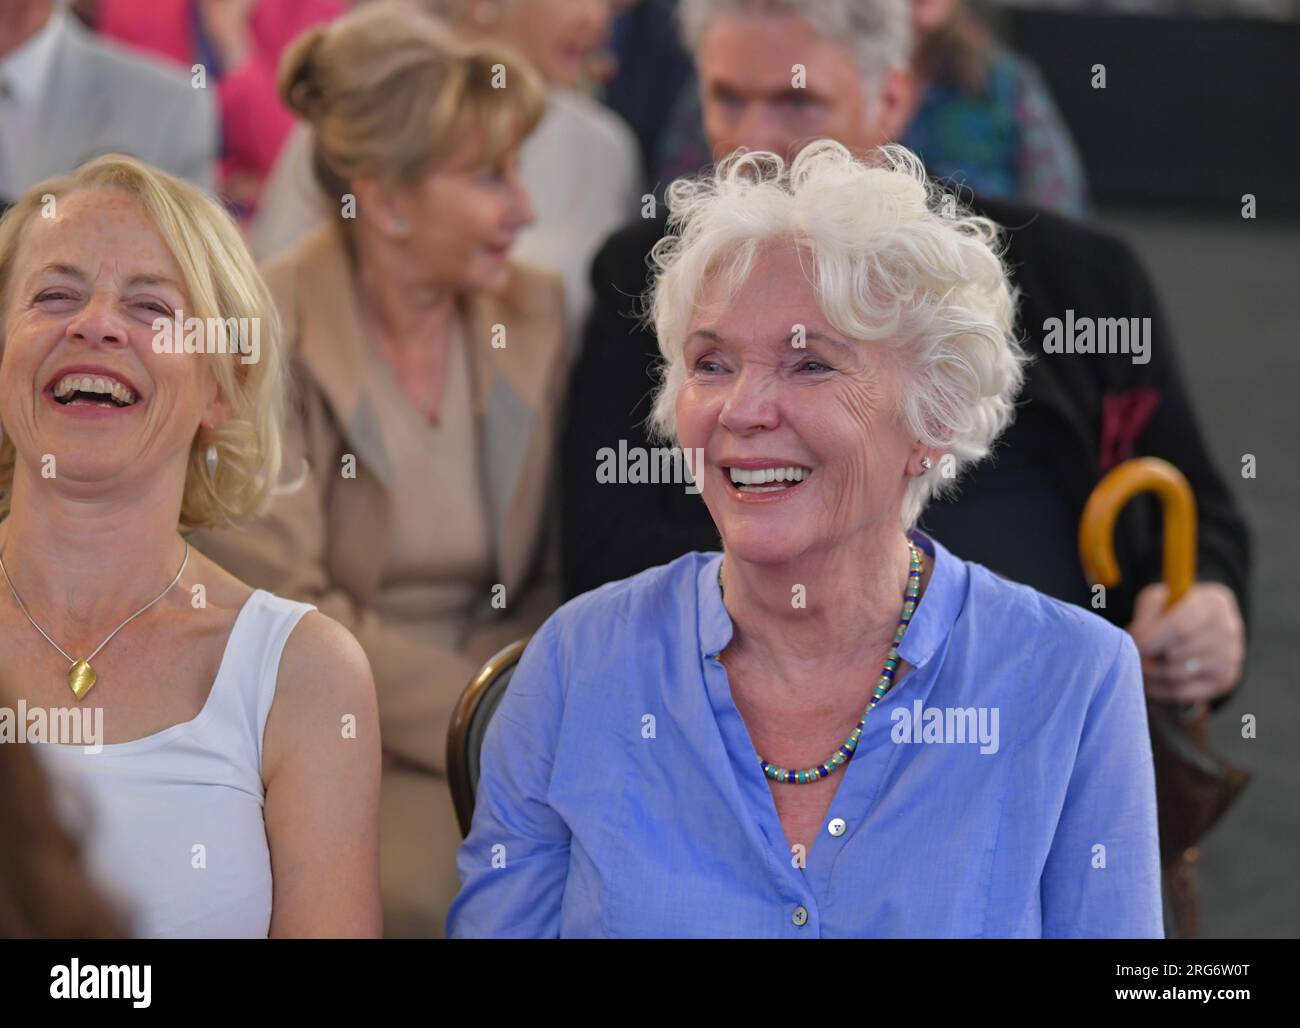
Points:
(81, 676)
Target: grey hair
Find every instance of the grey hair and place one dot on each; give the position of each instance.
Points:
(453, 12)
(879, 32)
(895, 261)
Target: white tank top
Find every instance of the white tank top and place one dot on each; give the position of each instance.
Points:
(172, 823)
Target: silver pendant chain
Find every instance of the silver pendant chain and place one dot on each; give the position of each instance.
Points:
(73, 660)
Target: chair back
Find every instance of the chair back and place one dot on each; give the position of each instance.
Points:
(469, 725)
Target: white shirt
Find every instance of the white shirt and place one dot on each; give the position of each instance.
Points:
(173, 822)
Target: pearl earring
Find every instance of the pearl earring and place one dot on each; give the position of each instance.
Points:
(211, 458)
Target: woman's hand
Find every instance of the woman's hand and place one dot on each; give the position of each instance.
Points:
(1193, 651)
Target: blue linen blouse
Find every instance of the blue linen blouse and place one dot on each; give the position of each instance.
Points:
(621, 794)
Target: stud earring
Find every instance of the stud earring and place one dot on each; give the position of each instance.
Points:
(926, 463)
(211, 458)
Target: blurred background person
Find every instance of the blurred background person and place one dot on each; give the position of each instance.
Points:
(580, 164)
(238, 43)
(67, 96)
(428, 366)
(986, 119)
(983, 117)
(224, 801)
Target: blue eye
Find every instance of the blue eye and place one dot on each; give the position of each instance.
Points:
(814, 366)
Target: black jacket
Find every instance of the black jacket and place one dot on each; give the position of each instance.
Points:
(1077, 415)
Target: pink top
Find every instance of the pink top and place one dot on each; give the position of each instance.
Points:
(254, 123)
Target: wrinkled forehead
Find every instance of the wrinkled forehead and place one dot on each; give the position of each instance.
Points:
(91, 234)
(777, 294)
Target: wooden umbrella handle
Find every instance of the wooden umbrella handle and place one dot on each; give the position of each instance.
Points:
(1121, 484)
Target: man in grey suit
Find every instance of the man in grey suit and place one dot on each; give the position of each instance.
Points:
(67, 96)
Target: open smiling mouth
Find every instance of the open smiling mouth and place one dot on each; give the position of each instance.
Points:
(767, 480)
(92, 390)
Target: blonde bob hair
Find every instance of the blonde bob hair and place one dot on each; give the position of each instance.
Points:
(221, 283)
(390, 93)
(895, 261)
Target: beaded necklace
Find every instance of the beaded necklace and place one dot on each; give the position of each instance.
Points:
(845, 753)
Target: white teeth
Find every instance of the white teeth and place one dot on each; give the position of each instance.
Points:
(761, 476)
(70, 384)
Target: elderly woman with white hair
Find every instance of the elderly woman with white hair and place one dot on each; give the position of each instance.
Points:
(835, 727)
(228, 786)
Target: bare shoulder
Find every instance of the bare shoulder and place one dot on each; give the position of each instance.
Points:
(323, 660)
(324, 692)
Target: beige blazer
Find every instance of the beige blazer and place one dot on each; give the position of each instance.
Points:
(325, 543)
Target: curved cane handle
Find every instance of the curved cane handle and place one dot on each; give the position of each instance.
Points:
(1121, 484)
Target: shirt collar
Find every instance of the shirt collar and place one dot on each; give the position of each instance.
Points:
(715, 623)
(939, 607)
(23, 71)
(926, 634)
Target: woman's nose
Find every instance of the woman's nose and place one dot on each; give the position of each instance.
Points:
(751, 403)
(98, 323)
(523, 214)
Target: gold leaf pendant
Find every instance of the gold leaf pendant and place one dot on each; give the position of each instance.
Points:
(81, 677)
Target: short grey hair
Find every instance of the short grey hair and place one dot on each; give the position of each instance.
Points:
(895, 261)
(879, 32)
